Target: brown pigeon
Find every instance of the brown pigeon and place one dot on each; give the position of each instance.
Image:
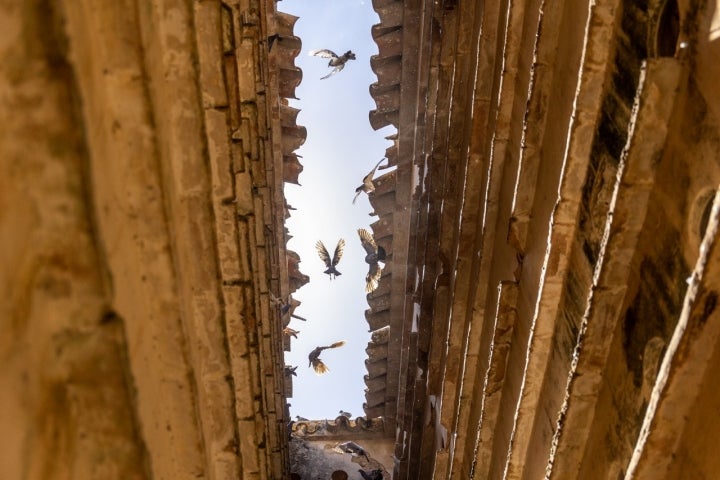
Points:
(314, 357)
(325, 257)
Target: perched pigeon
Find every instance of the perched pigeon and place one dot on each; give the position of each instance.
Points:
(367, 185)
(290, 370)
(371, 475)
(335, 61)
(281, 304)
(353, 448)
(345, 414)
(325, 257)
(290, 332)
(374, 255)
(272, 39)
(314, 357)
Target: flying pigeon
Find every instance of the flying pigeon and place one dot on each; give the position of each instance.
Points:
(314, 357)
(374, 255)
(367, 185)
(335, 61)
(371, 475)
(325, 257)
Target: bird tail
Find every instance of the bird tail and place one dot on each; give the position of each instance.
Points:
(319, 367)
(332, 271)
(337, 344)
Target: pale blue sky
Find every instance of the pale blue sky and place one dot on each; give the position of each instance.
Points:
(341, 148)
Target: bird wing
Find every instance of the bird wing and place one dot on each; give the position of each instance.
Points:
(314, 357)
(367, 240)
(338, 252)
(334, 71)
(325, 53)
(368, 179)
(358, 191)
(319, 367)
(372, 279)
(323, 253)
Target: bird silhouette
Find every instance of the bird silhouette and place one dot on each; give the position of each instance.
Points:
(335, 61)
(345, 414)
(374, 255)
(367, 185)
(314, 357)
(272, 39)
(290, 370)
(325, 257)
(371, 475)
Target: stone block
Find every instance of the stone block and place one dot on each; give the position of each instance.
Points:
(209, 36)
(227, 242)
(244, 253)
(218, 141)
(244, 202)
(248, 447)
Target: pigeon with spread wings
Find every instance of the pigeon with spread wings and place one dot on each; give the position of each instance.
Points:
(331, 263)
(314, 357)
(335, 61)
(374, 255)
(367, 185)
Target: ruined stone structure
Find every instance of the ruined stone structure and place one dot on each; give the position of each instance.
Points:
(144, 149)
(549, 303)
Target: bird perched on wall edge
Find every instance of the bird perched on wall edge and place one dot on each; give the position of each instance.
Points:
(371, 475)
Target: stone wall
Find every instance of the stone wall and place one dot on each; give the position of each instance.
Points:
(143, 156)
(559, 159)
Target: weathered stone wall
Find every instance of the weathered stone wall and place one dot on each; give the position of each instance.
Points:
(142, 163)
(59, 336)
(322, 449)
(562, 158)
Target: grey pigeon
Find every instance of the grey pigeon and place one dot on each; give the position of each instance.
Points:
(374, 255)
(371, 475)
(335, 61)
